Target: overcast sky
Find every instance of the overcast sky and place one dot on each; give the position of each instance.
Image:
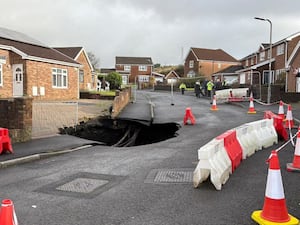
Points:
(162, 29)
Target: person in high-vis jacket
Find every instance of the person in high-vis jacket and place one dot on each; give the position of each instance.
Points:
(182, 87)
(210, 86)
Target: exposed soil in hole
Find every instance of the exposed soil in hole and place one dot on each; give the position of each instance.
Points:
(122, 133)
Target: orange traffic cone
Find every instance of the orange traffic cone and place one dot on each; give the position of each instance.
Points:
(251, 106)
(281, 110)
(7, 213)
(274, 210)
(289, 122)
(188, 116)
(295, 166)
(214, 104)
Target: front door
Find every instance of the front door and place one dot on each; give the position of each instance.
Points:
(17, 80)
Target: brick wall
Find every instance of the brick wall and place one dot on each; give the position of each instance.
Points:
(121, 101)
(16, 115)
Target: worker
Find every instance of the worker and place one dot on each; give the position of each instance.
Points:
(210, 86)
(182, 87)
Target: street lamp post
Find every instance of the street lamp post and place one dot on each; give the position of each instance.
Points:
(270, 59)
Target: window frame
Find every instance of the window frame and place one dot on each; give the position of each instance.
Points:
(81, 76)
(262, 56)
(191, 64)
(143, 68)
(127, 68)
(280, 49)
(61, 78)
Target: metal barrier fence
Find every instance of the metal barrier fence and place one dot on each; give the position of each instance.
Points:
(48, 117)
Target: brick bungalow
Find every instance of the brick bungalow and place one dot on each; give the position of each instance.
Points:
(87, 77)
(30, 68)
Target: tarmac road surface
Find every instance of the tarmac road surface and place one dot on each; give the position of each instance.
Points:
(150, 184)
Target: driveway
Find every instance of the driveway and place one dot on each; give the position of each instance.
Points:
(48, 117)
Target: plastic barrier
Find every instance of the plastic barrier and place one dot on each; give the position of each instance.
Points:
(233, 95)
(264, 132)
(222, 155)
(246, 140)
(5, 143)
(233, 148)
(188, 116)
(278, 124)
(213, 162)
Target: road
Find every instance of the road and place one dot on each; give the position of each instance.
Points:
(110, 185)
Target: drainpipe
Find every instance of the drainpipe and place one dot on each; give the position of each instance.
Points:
(286, 66)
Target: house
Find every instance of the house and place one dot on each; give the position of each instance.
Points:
(30, 68)
(134, 69)
(87, 77)
(106, 71)
(284, 62)
(172, 77)
(205, 62)
(158, 77)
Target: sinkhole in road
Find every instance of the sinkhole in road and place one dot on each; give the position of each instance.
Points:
(122, 133)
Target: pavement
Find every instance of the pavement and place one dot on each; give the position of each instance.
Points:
(140, 110)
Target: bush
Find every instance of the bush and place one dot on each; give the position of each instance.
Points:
(114, 79)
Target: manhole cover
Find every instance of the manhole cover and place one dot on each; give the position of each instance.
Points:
(82, 185)
(170, 176)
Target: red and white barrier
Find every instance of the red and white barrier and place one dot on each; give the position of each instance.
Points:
(223, 154)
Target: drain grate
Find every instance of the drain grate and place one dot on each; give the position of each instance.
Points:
(184, 175)
(83, 185)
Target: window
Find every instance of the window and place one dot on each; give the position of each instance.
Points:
(191, 64)
(81, 76)
(262, 56)
(252, 61)
(142, 68)
(124, 79)
(59, 78)
(247, 62)
(191, 73)
(1, 77)
(143, 78)
(127, 68)
(266, 77)
(280, 49)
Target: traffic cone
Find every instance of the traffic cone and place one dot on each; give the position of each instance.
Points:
(281, 110)
(188, 116)
(289, 122)
(251, 106)
(274, 210)
(214, 104)
(7, 213)
(295, 166)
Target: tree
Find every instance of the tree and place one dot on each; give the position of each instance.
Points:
(114, 79)
(94, 60)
